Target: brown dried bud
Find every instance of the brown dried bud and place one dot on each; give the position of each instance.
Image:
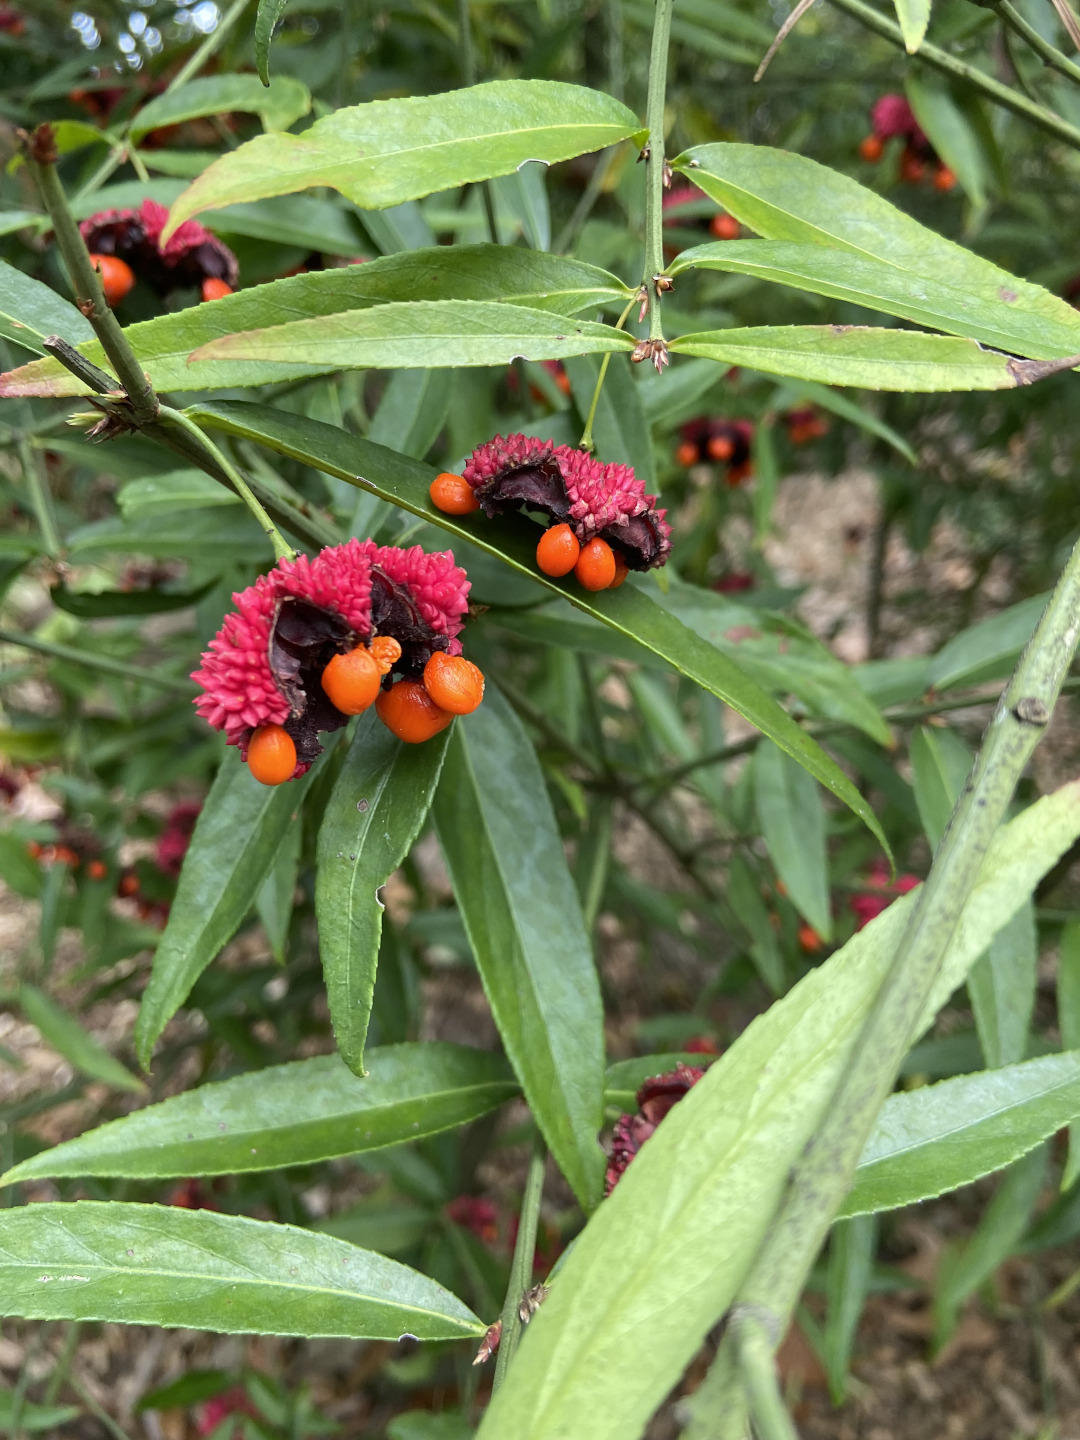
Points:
(41, 145)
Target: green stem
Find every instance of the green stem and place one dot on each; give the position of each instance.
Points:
(586, 441)
(85, 280)
(97, 662)
(521, 1267)
(654, 176)
(822, 1176)
(949, 65)
(115, 1430)
(177, 417)
(1049, 53)
(760, 1382)
(40, 499)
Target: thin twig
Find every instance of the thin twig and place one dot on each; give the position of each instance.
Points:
(781, 35)
(1047, 52)
(177, 417)
(949, 65)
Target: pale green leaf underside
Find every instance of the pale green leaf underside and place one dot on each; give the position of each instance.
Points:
(935, 1139)
(294, 1114)
(507, 274)
(422, 334)
(863, 356)
(877, 285)
(388, 151)
(161, 1265)
(788, 197)
(663, 1258)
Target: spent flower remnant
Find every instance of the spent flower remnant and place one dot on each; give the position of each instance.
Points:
(315, 641)
(655, 1098)
(191, 258)
(602, 523)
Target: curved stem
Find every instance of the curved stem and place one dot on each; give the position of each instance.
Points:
(949, 65)
(654, 180)
(177, 417)
(586, 441)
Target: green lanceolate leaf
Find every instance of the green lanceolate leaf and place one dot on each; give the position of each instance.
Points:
(783, 196)
(628, 610)
(296, 1114)
(266, 17)
(858, 355)
(940, 1137)
(379, 803)
(277, 105)
(236, 838)
(500, 273)
(29, 311)
(393, 150)
(793, 826)
(988, 650)
(160, 1265)
(862, 280)
(664, 1256)
(523, 919)
(425, 333)
(67, 1036)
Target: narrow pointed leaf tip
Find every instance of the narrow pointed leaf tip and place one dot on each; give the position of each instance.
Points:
(388, 151)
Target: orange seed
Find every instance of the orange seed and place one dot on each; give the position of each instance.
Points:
(558, 551)
(271, 755)
(595, 568)
(408, 711)
(352, 681)
(453, 495)
(454, 683)
(214, 289)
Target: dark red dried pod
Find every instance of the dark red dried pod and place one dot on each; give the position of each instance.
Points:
(655, 1098)
(190, 256)
(518, 470)
(571, 487)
